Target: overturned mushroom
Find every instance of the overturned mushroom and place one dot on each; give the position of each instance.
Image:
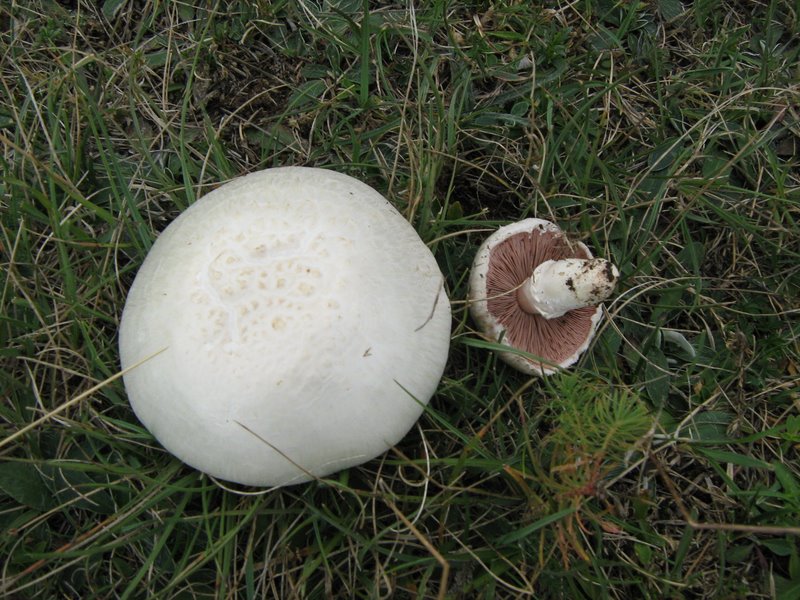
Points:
(535, 291)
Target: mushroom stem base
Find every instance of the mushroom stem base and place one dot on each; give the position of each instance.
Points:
(559, 286)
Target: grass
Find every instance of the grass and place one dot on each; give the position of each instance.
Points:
(665, 135)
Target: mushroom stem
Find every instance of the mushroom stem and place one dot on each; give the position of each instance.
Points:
(559, 286)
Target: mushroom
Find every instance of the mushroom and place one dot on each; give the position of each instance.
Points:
(295, 325)
(535, 291)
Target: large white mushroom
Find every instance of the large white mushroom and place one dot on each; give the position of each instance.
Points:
(533, 290)
(304, 327)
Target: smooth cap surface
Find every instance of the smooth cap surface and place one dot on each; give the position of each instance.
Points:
(304, 322)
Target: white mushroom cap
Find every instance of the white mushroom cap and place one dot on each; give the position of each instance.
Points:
(304, 322)
(533, 290)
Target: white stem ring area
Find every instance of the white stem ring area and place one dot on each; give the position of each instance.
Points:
(559, 286)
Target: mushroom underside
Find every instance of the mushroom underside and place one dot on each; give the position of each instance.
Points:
(511, 264)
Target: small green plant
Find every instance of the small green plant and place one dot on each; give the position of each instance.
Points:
(595, 428)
